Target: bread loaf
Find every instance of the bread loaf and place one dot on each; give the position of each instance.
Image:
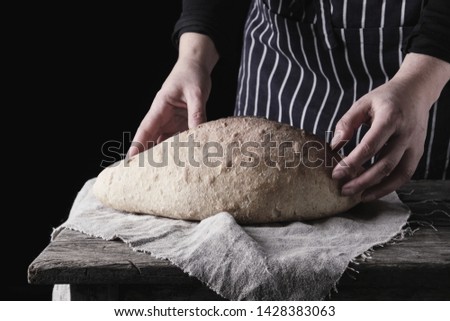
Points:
(260, 171)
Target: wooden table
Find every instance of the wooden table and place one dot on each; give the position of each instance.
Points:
(416, 268)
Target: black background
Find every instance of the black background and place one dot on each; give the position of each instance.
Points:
(78, 76)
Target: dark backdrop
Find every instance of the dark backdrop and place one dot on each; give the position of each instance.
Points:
(76, 76)
(79, 76)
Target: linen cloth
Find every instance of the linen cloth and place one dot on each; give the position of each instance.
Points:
(289, 261)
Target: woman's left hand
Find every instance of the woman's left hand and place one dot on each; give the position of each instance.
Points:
(397, 113)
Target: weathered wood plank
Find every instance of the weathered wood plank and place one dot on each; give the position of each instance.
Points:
(413, 269)
(436, 213)
(417, 267)
(423, 249)
(79, 259)
(419, 190)
(395, 283)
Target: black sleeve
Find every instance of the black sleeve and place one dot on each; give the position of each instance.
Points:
(221, 20)
(432, 35)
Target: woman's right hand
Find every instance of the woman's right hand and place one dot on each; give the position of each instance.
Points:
(180, 103)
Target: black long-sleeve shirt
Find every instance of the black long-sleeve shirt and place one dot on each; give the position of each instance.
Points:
(431, 36)
(223, 21)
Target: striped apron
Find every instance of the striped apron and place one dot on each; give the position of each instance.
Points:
(304, 62)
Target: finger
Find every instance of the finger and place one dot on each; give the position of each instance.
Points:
(350, 122)
(149, 129)
(196, 111)
(402, 173)
(389, 159)
(133, 150)
(181, 112)
(178, 123)
(376, 137)
(146, 135)
(163, 137)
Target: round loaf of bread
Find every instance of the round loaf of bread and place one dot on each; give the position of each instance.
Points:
(260, 171)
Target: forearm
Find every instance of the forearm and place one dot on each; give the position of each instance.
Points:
(424, 74)
(221, 20)
(199, 49)
(431, 34)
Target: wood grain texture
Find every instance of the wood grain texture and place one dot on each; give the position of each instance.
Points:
(76, 258)
(417, 267)
(421, 190)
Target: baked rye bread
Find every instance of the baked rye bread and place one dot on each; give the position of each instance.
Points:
(258, 170)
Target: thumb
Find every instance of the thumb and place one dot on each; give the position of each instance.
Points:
(196, 112)
(349, 123)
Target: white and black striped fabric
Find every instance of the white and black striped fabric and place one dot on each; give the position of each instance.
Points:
(304, 62)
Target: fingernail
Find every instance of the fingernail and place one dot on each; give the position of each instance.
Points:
(132, 151)
(340, 174)
(336, 139)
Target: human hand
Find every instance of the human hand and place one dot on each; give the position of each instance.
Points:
(398, 116)
(180, 103)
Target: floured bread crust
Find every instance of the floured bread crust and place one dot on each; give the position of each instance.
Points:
(260, 171)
